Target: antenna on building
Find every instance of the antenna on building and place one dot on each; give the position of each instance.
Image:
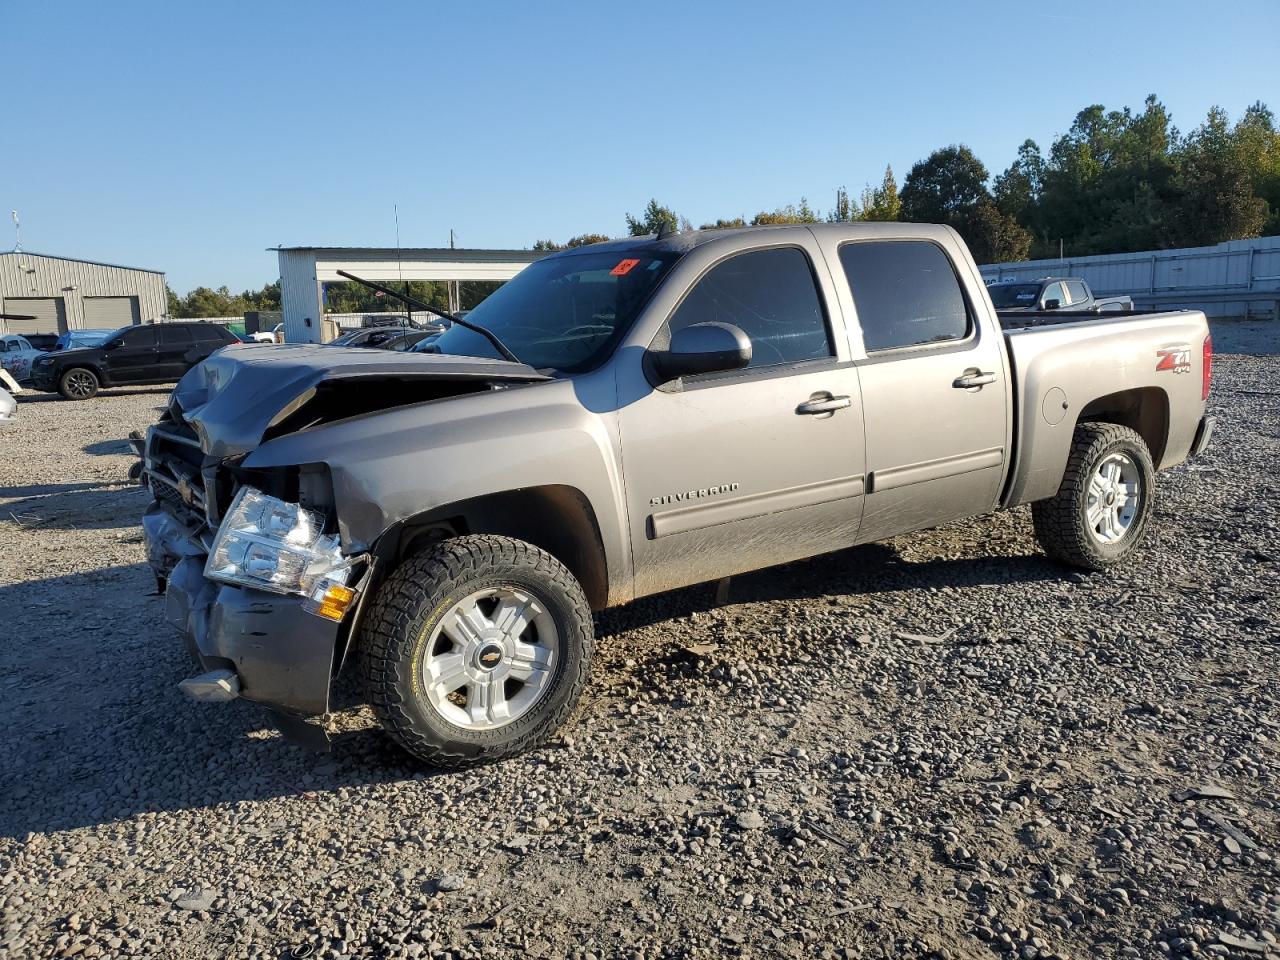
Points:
(17, 232)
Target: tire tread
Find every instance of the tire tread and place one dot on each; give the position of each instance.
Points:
(1057, 521)
(388, 636)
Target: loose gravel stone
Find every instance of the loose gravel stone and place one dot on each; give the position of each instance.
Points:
(943, 745)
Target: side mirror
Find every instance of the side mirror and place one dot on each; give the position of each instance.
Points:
(1052, 304)
(702, 348)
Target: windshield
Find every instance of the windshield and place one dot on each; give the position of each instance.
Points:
(1013, 294)
(564, 313)
(346, 338)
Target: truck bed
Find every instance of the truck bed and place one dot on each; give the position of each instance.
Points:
(1108, 361)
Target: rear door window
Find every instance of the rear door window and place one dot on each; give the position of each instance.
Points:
(1077, 292)
(771, 295)
(176, 336)
(906, 293)
(1054, 291)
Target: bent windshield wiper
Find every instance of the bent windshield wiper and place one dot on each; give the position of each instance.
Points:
(415, 302)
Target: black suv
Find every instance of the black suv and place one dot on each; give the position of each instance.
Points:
(153, 353)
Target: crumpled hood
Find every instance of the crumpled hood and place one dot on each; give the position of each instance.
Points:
(234, 396)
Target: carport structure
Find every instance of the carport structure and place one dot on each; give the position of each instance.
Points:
(305, 270)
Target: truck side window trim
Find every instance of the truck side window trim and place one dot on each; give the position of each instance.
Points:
(763, 371)
(973, 330)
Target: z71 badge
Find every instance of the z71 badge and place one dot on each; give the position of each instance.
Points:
(1175, 359)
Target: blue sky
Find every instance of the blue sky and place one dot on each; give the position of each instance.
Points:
(188, 137)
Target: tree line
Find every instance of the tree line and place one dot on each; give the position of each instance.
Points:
(1117, 181)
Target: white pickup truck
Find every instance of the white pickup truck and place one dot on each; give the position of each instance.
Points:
(622, 419)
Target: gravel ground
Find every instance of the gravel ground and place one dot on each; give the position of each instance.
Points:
(939, 746)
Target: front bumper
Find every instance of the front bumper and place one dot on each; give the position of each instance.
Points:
(42, 380)
(279, 655)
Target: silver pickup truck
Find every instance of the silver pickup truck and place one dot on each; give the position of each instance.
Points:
(623, 419)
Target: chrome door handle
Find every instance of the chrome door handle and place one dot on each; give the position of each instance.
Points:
(973, 380)
(829, 405)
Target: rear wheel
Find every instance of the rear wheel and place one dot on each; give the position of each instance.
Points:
(476, 649)
(1101, 510)
(78, 383)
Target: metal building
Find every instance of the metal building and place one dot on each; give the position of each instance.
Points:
(63, 293)
(1238, 278)
(305, 270)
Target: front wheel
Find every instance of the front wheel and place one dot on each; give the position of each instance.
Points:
(476, 649)
(78, 384)
(1101, 510)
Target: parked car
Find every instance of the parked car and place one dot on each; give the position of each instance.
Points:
(17, 355)
(8, 406)
(382, 338)
(150, 353)
(1053, 293)
(620, 420)
(90, 337)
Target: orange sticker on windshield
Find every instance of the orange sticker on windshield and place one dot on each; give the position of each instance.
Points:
(623, 268)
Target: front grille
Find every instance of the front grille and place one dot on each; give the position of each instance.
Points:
(175, 470)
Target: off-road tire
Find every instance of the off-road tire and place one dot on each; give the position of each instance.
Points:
(1061, 522)
(401, 620)
(89, 377)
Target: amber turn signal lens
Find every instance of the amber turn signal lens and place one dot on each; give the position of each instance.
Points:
(335, 602)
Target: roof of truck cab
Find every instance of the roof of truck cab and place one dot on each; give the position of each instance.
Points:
(686, 240)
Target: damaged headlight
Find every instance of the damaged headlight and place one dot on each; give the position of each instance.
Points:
(268, 544)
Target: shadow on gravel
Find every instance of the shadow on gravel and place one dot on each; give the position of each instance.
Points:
(44, 489)
(27, 396)
(94, 730)
(868, 569)
(83, 507)
(108, 447)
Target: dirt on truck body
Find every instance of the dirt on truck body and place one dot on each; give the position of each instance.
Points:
(681, 408)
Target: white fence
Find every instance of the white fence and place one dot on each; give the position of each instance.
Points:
(1239, 278)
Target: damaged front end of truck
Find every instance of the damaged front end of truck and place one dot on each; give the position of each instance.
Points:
(262, 574)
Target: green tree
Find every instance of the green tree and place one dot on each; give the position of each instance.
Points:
(882, 203)
(654, 218)
(549, 246)
(1259, 142)
(992, 235)
(945, 187)
(1108, 184)
(723, 224)
(268, 298)
(791, 213)
(950, 187)
(586, 239)
(1218, 202)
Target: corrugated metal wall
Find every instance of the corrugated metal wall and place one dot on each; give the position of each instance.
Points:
(1239, 278)
(25, 275)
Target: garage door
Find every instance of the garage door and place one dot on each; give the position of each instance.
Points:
(110, 311)
(50, 315)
